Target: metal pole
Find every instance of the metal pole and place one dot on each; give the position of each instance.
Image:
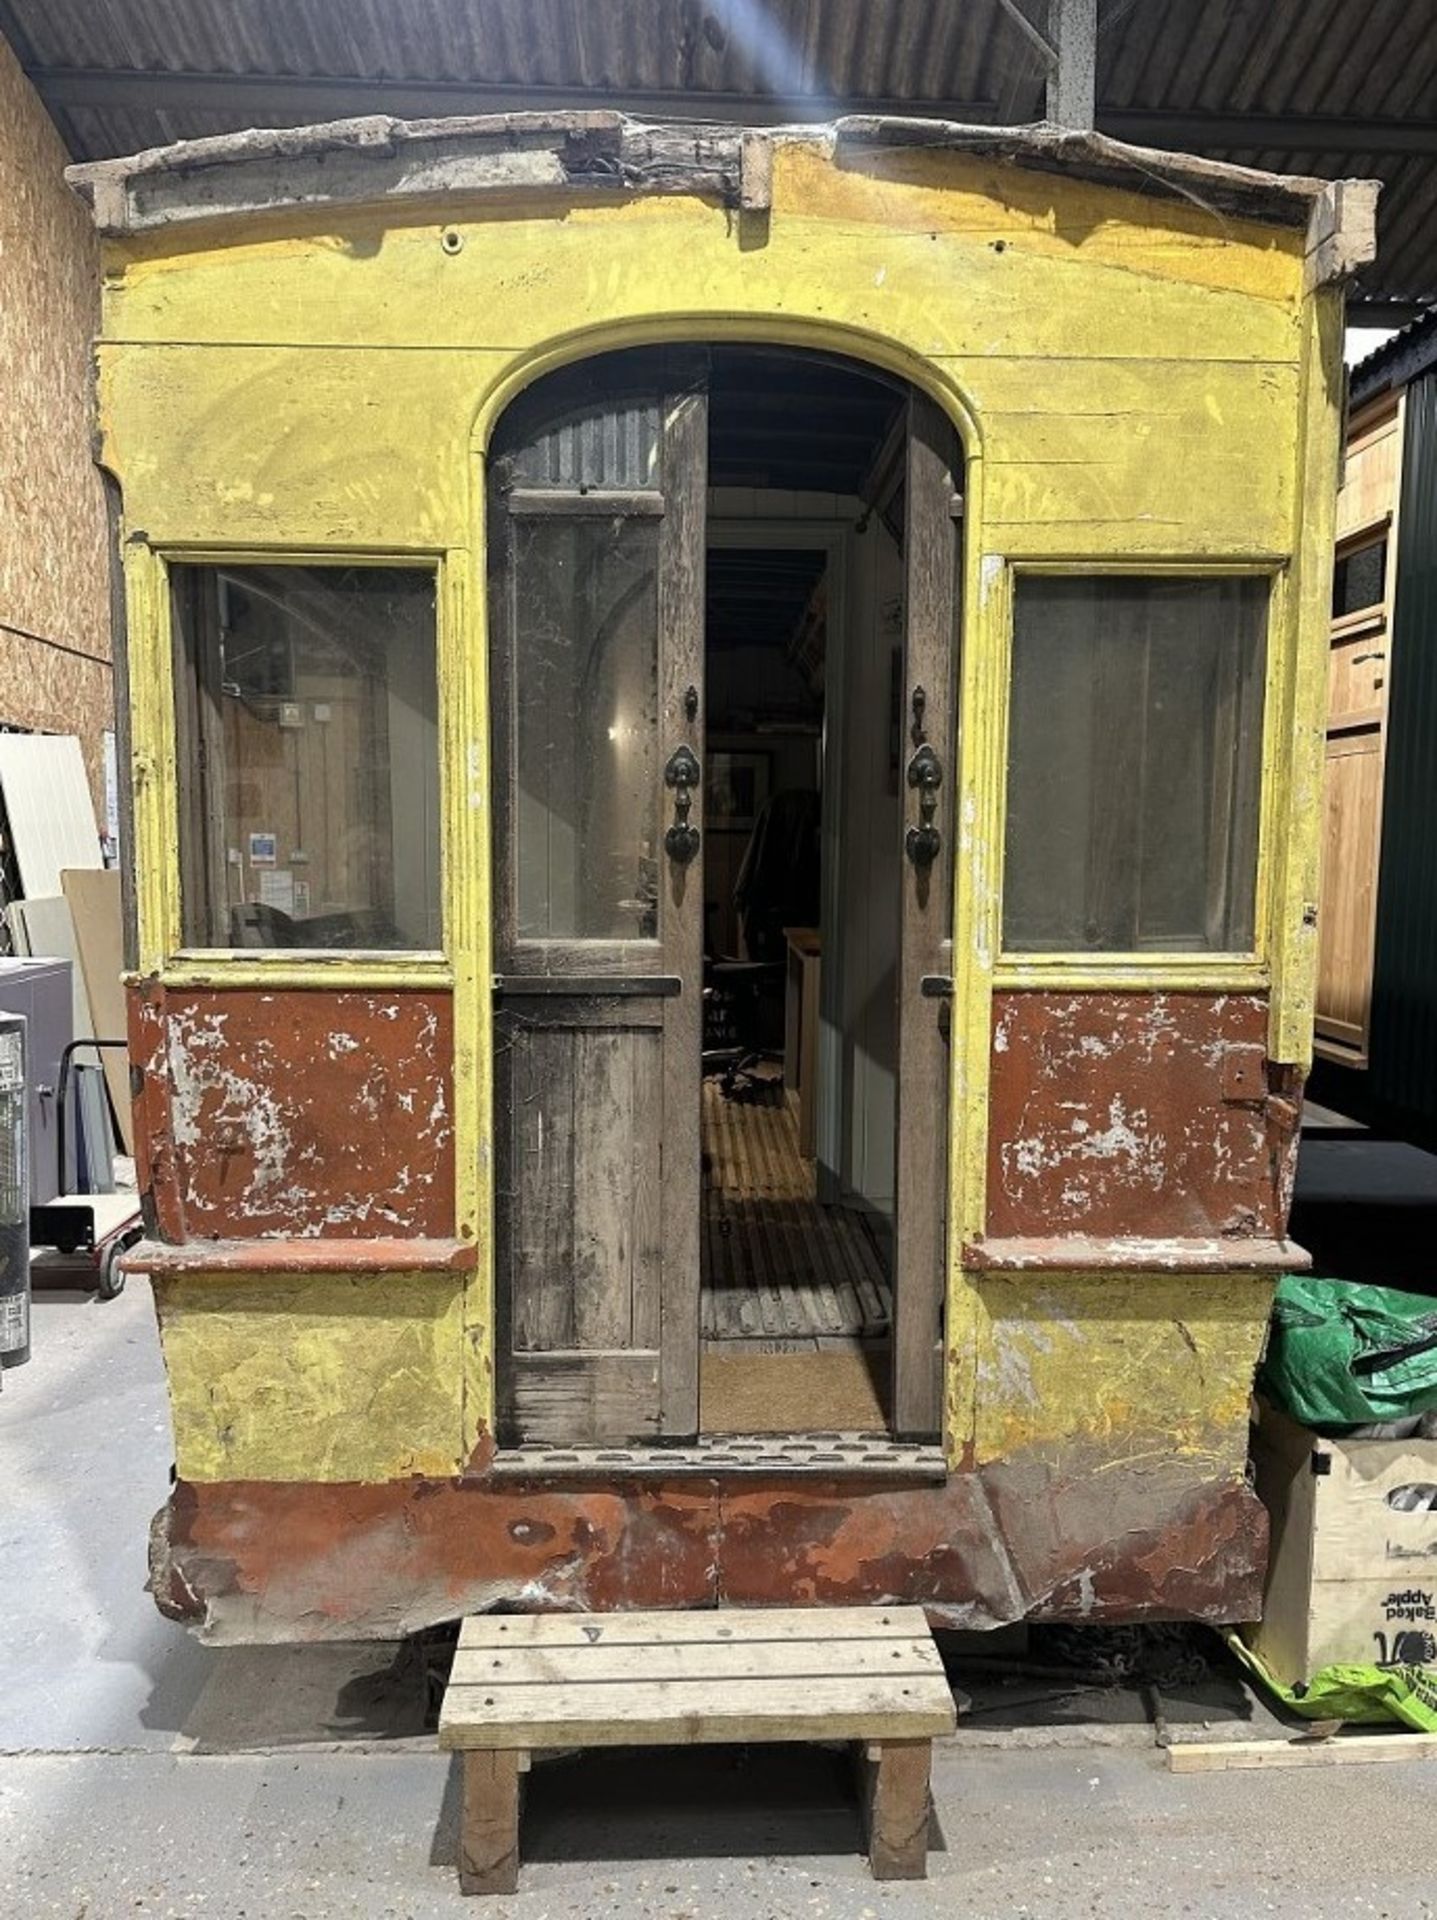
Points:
(1071, 96)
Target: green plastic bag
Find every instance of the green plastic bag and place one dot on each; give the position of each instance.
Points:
(1341, 1355)
(1360, 1696)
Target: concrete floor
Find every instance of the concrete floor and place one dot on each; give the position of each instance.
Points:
(141, 1773)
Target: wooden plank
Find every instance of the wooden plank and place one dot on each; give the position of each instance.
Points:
(489, 1822)
(681, 667)
(929, 650)
(602, 1271)
(93, 897)
(538, 1182)
(606, 1664)
(722, 1625)
(607, 503)
(689, 1713)
(646, 1226)
(897, 1808)
(1353, 1749)
(589, 1398)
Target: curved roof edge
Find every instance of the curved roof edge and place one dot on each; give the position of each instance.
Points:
(378, 157)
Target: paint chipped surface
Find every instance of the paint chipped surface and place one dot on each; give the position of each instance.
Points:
(295, 1113)
(248, 1561)
(1133, 1115)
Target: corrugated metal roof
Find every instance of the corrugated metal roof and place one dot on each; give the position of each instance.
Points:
(1406, 356)
(119, 75)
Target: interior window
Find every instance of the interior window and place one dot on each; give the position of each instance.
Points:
(1134, 767)
(308, 748)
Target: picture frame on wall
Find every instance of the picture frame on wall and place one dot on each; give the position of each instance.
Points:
(736, 789)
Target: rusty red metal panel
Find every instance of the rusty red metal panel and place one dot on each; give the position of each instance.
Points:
(1022, 1539)
(155, 1170)
(1139, 1114)
(296, 1112)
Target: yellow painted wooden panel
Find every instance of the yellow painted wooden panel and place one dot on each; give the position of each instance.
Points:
(1177, 456)
(313, 1376)
(283, 447)
(1298, 713)
(974, 271)
(1133, 366)
(1136, 1363)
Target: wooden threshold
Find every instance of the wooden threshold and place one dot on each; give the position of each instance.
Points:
(827, 1456)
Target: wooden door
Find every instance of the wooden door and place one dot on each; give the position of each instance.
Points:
(596, 542)
(1358, 676)
(925, 948)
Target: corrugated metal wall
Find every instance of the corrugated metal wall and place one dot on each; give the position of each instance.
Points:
(1403, 1069)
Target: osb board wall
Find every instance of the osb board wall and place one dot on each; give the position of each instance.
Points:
(54, 609)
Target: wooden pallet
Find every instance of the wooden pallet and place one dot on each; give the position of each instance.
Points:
(521, 1683)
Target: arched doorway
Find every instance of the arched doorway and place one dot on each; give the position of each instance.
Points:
(724, 631)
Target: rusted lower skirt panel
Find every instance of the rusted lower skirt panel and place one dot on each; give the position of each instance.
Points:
(270, 1561)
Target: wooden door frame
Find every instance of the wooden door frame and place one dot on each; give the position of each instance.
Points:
(978, 633)
(930, 714)
(834, 539)
(649, 975)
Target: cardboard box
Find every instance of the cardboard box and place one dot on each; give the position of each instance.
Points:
(1351, 1579)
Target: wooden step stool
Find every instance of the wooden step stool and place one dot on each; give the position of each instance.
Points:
(521, 1682)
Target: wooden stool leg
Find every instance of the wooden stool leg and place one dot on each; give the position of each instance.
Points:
(896, 1807)
(489, 1822)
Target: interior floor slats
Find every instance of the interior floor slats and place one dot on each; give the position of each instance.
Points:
(776, 1264)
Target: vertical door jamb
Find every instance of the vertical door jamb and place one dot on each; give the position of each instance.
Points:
(681, 722)
(925, 916)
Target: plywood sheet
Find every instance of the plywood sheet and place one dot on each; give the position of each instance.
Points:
(52, 817)
(92, 897)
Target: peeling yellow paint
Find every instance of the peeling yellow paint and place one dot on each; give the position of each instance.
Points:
(313, 1376)
(1140, 1363)
(1135, 379)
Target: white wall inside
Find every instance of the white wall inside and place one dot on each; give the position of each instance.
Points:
(858, 1037)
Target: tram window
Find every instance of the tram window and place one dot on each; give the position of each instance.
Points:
(307, 736)
(1135, 762)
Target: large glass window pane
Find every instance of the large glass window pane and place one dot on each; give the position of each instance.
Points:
(1134, 766)
(309, 763)
(585, 612)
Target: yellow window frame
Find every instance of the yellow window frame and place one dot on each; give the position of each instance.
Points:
(1152, 970)
(162, 952)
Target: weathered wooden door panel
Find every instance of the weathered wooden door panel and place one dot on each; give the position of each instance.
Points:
(926, 911)
(1349, 898)
(580, 1104)
(1363, 583)
(596, 579)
